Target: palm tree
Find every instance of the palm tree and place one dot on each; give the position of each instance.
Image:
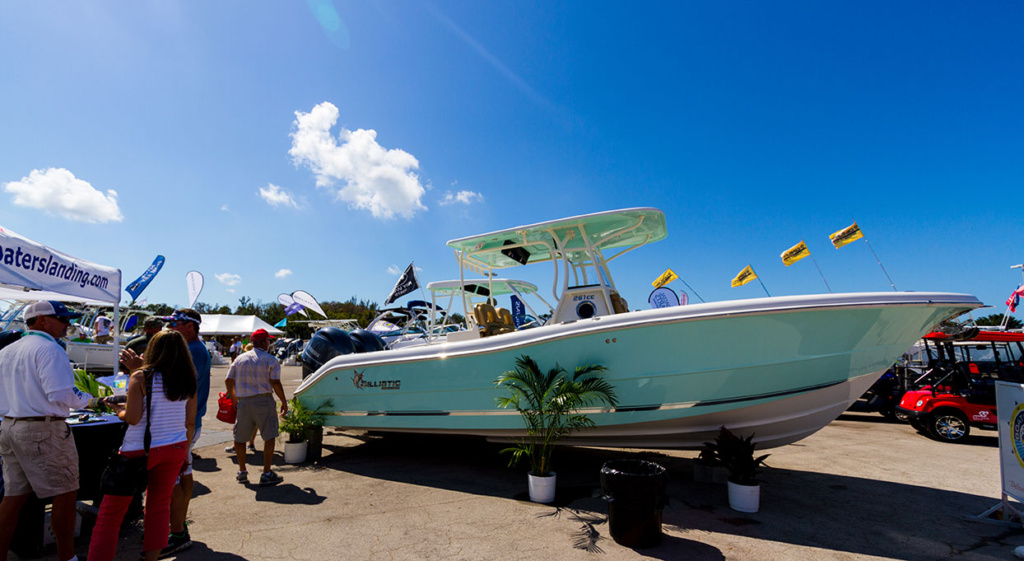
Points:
(549, 402)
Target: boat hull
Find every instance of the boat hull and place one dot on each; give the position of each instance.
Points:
(781, 368)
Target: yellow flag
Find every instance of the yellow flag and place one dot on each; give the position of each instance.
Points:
(795, 253)
(846, 235)
(668, 276)
(745, 276)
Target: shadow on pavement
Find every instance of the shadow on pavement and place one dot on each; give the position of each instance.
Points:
(287, 494)
(809, 509)
(201, 551)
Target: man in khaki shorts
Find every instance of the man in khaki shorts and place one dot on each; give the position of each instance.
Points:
(37, 392)
(253, 379)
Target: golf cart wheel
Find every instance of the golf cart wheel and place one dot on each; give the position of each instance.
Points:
(900, 416)
(949, 426)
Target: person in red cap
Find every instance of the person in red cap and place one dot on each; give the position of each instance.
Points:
(250, 380)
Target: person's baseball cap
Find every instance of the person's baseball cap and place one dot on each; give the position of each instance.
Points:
(260, 335)
(49, 308)
(153, 323)
(181, 315)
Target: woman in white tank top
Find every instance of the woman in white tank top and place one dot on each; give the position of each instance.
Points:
(168, 374)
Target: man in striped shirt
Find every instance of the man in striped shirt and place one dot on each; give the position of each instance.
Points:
(253, 379)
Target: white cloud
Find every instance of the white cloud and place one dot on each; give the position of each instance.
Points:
(374, 178)
(276, 196)
(58, 191)
(283, 273)
(229, 279)
(225, 208)
(230, 290)
(464, 197)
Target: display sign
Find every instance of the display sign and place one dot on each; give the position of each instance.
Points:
(28, 264)
(1010, 408)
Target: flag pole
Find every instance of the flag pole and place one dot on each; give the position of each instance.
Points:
(691, 289)
(879, 263)
(820, 273)
(761, 283)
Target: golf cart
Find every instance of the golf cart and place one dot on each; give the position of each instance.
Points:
(961, 390)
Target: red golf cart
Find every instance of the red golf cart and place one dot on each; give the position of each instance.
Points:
(961, 390)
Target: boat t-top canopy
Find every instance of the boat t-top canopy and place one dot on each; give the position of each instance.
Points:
(568, 237)
(481, 287)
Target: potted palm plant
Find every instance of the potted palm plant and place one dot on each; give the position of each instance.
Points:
(549, 403)
(737, 454)
(301, 423)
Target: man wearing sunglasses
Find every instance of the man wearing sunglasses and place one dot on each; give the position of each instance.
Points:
(37, 392)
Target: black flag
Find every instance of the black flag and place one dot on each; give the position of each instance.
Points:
(406, 284)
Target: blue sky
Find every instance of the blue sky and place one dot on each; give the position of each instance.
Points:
(324, 145)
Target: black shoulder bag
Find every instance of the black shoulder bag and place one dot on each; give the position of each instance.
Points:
(127, 477)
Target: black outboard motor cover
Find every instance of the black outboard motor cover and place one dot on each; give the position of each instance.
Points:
(326, 344)
(366, 341)
(8, 337)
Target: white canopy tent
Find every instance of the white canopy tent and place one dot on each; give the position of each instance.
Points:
(219, 324)
(32, 265)
(31, 271)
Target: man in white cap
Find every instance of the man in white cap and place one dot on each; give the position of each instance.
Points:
(251, 379)
(37, 392)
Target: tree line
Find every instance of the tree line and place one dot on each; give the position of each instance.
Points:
(363, 311)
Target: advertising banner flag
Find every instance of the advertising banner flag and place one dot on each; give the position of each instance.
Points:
(307, 301)
(518, 311)
(795, 253)
(287, 300)
(194, 282)
(663, 297)
(847, 235)
(744, 276)
(32, 265)
(294, 308)
(406, 284)
(281, 324)
(140, 284)
(668, 276)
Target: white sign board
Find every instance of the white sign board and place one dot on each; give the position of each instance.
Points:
(1010, 408)
(32, 265)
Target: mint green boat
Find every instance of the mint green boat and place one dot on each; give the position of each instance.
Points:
(781, 368)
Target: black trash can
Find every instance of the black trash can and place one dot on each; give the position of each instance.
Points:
(314, 444)
(635, 491)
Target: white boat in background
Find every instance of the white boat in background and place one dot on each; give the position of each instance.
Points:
(85, 354)
(780, 368)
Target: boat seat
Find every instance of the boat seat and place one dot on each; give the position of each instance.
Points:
(505, 318)
(619, 304)
(487, 318)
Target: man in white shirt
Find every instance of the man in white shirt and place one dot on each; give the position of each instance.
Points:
(236, 348)
(37, 392)
(101, 328)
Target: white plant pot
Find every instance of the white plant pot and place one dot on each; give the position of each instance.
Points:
(295, 452)
(542, 488)
(744, 498)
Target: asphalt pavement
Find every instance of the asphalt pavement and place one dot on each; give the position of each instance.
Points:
(862, 488)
